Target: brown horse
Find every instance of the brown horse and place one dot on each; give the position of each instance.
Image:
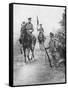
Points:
(28, 42)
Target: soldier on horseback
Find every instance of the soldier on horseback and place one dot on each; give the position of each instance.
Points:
(29, 27)
(41, 28)
(22, 31)
(41, 34)
(28, 40)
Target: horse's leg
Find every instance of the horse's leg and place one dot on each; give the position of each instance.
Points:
(32, 50)
(21, 49)
(24, 54)
(28, 52)
(33, 54)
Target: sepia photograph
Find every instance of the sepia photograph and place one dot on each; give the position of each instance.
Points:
(39, 44)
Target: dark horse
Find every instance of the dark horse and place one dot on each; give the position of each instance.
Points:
(41, 38)
(28, 42)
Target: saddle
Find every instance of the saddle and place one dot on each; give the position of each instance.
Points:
(29, 34)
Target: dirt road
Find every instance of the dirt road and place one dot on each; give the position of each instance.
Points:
(37, 71)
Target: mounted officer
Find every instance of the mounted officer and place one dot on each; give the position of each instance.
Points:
(41, 34)
(41, 29)
(29, 27)
(23, 27)
(28, 40)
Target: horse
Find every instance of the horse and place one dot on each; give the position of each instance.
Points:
(28, 42)
(41, 39)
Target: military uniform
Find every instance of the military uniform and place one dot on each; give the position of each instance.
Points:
(23, 27)
(41, 35)
(29, 27)
(41, 29)
(52, 46)
(52, 50)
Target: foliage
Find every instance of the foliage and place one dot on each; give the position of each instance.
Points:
(61, 37)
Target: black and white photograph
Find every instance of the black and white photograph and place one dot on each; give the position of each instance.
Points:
(39, 44)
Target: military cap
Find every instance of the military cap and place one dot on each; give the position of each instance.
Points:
(23, 22)
(29, 18)
(40, 24)
(51, 34)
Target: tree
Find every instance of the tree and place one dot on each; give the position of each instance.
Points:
(61, 35)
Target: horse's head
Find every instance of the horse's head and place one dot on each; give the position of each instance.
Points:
(41, 37)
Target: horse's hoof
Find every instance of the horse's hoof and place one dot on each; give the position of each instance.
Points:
(51, 66)
(26, 62)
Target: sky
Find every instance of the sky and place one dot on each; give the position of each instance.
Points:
(49, 17)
